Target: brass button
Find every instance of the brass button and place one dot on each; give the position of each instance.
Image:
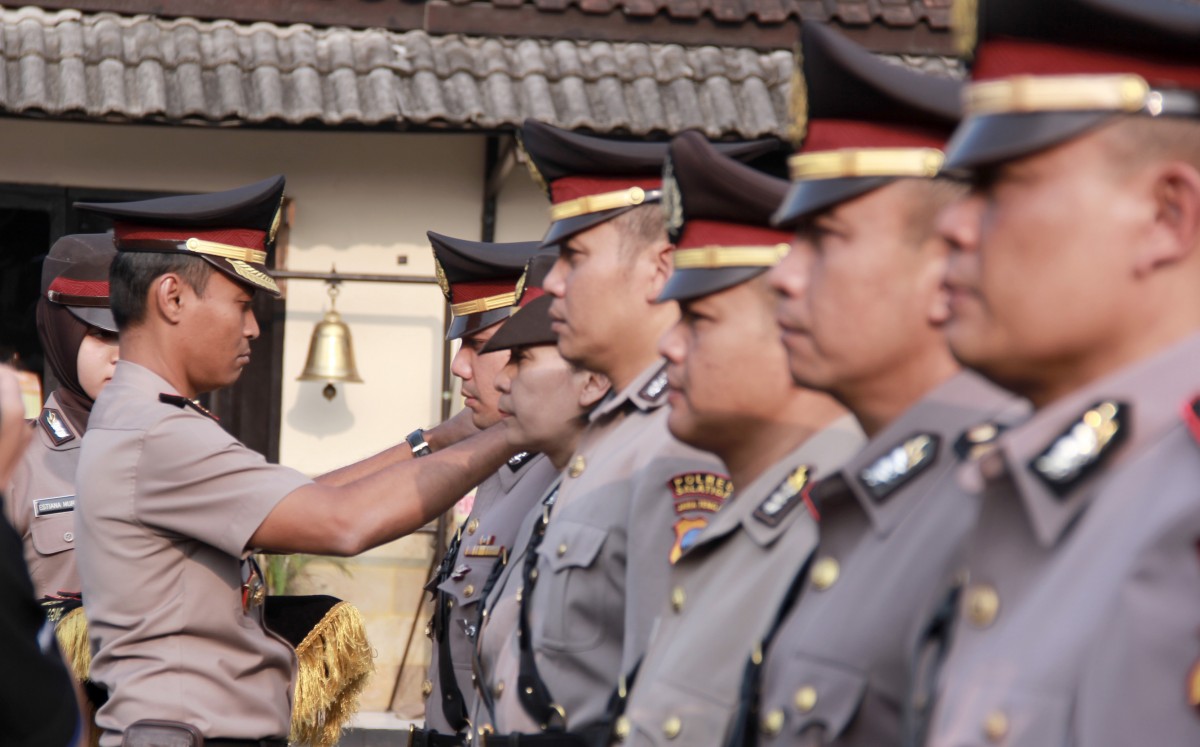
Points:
(472, 526)
(982, 605)
(772, 723)
(806, 698)
(678, 597)
(485, 730)
(825, 573)
(429, 630)
(499, 688)
(468, 590)
(562, 549)
(995, 726)
(578, 465)
(621, 729)
(426, 689)
(671, 727)
(520, 594)
(533, 575)
(449, 604)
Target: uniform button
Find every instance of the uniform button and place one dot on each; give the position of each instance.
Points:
(520, 594)
(578, 465)
(825, 573)
(472, 526)
(772, 723)
(499, 688)
(995, 726)
(449, 604)
(485, 730)
(671, 727)
(678, 597)
(533, 575)
(426, 689)
(982, 605)
(806, 698)
(69, 536)
(468, 590)
(562, 549)
(429, 630)
(621, 729)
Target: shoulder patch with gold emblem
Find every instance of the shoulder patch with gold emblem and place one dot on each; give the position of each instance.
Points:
(785, 497)
(906, 460)
(655, 388)
(1082, 447)
(55, 425)
(695, 492)
(181, 402)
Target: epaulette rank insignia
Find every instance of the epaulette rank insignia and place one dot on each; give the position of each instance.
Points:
(1191, 418)
(181, 402)
(899, 465)
(976, 440)
(656, 387)
(517, 461)
(1081, 448)
(55, 426)
(786, 496)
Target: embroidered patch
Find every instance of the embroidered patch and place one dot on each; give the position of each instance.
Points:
(57, 505)
(55, 426)
(656, 387)
(687, 531)
(895, 468)
(517, 461)
(181, 402)
(977, 440)
(1082, 447)
(786, 496)
(699, 491)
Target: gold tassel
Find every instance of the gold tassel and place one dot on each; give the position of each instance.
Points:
(335, 662)
(72, 634)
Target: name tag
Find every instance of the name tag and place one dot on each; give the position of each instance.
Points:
(50, 506)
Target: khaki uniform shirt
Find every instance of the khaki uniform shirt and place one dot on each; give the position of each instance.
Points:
(838, 669)
(632, 498)
(725, 590)
(167, 504)
(1080, 623)
(501, 504)
(41, 502)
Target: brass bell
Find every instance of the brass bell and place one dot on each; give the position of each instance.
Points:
(331, 351)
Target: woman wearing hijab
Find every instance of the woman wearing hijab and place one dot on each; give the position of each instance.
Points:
(79, 337)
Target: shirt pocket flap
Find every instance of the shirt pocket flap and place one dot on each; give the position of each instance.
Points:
(572, 546)
(469, 588)
(822, 693)
(663, 713)
(53, 534)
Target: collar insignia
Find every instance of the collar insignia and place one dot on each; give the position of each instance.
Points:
(655, 388)
(181, 402)
(786, 496)
(904, 462)
(517, 461)
(55, 426)
(1081, 448)
(977, 440)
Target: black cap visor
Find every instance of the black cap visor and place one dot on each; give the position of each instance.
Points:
(989, 139)
(94, 316)
(696, 282)
(804, 198)
(469, 324)
(530, 325)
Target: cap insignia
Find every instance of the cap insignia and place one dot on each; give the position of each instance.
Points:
(442, 281)
(672, 200)
(786, 496)
(899, 465)
(254, 275)
(1082, 447)
(55, 426)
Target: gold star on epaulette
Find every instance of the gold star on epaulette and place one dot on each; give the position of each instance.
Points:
(1080, 449)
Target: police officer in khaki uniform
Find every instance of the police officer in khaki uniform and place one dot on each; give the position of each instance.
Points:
(731, 394)
(1073, 283)
(596, 575)
(479, 280)
(171, 506)
(79, 338)
(860, 303)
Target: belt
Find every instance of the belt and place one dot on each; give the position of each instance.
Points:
(429, 738)
(273, 742)
(538, 739)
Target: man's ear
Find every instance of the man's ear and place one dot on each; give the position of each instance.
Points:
(594, 389)
(1175, 230)
(663, 265)
(166, 297)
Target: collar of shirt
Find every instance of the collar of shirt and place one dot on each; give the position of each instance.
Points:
(647, 392)
(1152, 393)
(960, 402)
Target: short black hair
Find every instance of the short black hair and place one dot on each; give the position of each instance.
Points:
(132, 274)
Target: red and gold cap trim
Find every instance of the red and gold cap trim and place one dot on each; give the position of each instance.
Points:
(80, 293)
(598, 203)
(846, 163)
(716, 257)
(487, 303)
(1024, 94)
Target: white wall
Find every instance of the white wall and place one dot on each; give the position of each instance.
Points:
(361, 200)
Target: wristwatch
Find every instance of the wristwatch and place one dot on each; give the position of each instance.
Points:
(416, 440)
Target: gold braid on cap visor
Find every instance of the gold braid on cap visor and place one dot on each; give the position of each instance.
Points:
(226, 251)
(1062, 93)
(480, 305)
(865, 162)
(605, 201)
(714, 257)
